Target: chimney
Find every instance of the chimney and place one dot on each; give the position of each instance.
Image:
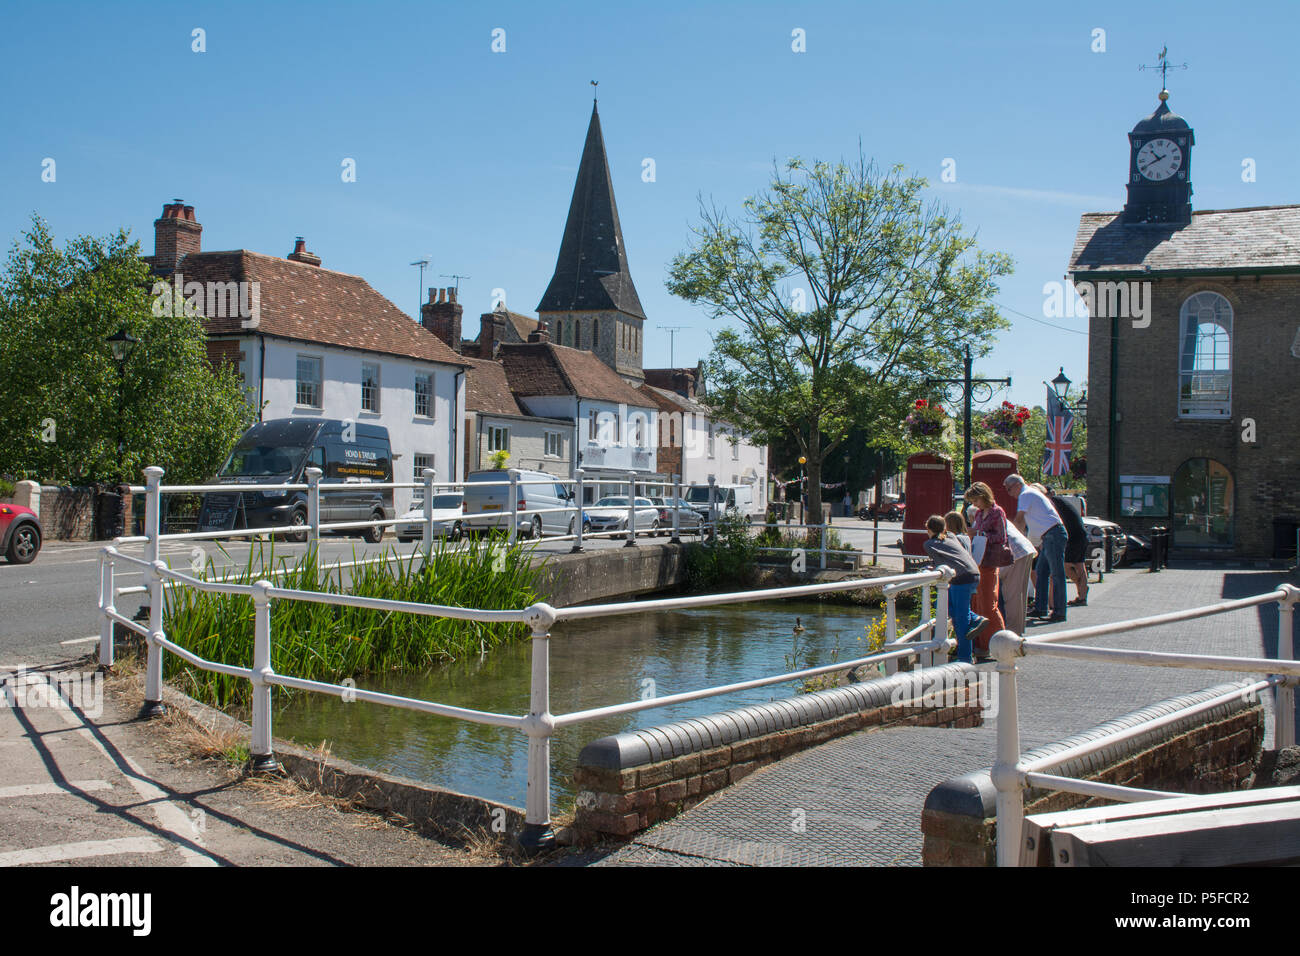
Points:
(441, 315)
(684, 384)
(175, 236)
(300, 253)
(492, 333)
(540, 334)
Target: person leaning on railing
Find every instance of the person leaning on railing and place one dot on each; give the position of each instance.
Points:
(1036, 517)
(947, 549)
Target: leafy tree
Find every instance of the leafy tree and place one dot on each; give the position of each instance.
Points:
(63, 404)
(847, 290)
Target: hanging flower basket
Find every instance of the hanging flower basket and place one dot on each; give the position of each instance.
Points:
(1007, 421)
(925, 420)
(1079, 466)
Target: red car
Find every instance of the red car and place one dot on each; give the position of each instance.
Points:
(20, 534)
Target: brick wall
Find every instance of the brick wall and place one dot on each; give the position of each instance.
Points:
(1213, 752)
(68, 514)
(225, 352)
(1153, 440)
(631, 781)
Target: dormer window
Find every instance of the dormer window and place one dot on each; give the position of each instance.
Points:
(1205, 357)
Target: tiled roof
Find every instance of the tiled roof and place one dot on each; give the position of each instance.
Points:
(543, 368)
(1226, 240)
(311, 304)
(670, 401)
(487, 389)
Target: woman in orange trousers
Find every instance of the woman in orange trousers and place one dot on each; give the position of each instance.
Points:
(991, 523)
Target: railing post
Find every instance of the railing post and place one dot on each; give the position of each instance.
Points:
(107, 605)
(537, 835)
(677, 509)
(153, 703)
(940, 654)
(631, 510)
(891, 629)
(580, 497)
(426, 530)
(713, 508)
(1005, 646)
(1284, 711)
(514, 505)
(313, 508)
(822, 535)
(261, 755)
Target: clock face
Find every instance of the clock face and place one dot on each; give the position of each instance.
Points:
(1159, 159)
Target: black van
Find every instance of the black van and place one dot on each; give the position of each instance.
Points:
(279, 452)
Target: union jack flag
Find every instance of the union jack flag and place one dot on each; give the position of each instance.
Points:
(1060, 437)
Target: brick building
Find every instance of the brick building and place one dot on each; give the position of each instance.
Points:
(1194, 358)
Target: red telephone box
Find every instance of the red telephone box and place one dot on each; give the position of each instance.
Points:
(992, 466)
(928, 484)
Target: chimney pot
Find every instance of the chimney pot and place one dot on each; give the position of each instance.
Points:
(176, 235)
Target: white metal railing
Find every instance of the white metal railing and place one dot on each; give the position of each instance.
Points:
(1012, 774)
(539, 724)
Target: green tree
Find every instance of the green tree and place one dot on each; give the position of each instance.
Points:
(846, 290)
(63, 404)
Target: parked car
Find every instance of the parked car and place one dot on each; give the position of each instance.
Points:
(20, 534)
(446, 514)
(610, 514)
(349, 455)
(688, 519)
(544, 505)
(1119, 541)
(888, 509)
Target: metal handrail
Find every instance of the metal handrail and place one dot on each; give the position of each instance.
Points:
(538, 724)
(1012, 773)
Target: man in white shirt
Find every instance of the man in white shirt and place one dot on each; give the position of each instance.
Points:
(1036, 518)
(1014, 579)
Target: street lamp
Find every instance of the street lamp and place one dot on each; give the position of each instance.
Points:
(1061, 385)
(121, 345)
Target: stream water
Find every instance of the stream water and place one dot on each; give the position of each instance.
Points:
(593, 663)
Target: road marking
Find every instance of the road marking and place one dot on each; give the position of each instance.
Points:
(81, 640)
(76, 851)
(47, 789)
(170, 817)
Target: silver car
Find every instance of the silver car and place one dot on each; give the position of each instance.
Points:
(544, 506)
(610, 514)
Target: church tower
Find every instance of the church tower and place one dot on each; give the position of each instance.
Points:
(1160, 170)
(591, 302)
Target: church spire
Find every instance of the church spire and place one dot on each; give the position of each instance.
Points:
(591, 272)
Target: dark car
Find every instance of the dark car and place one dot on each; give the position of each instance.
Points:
(350, 455)
(20, 534)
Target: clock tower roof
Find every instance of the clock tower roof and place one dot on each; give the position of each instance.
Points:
(1163, 120)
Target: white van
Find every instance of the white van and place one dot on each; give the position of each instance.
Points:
(728, 499)
(544, 507)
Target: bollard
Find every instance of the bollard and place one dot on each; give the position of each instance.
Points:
(153, 703)
(631, 510)
(1155, 551)
(713, 508)
(261, 757)
(580, 497)
(537, 835)
(1108, 559)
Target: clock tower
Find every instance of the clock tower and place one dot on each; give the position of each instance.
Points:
(1160, 170)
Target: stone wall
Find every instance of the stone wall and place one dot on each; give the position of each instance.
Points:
(631, 781)
(1211, 752)
(612, 573)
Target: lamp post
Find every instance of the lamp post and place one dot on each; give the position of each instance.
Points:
(1061, 386)
(803, 491)
(971, 390)
(121, 345)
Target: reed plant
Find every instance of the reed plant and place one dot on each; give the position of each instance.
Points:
(330, 643)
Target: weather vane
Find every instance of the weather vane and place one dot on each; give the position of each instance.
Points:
(594, 84)
(1164, 66)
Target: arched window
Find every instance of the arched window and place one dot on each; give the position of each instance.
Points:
(1205, 357)
(1202, 504)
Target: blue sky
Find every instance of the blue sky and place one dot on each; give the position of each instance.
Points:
(467, 157)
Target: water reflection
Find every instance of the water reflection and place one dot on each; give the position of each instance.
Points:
(593, 663)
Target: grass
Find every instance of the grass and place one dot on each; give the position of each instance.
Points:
(330, 643)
